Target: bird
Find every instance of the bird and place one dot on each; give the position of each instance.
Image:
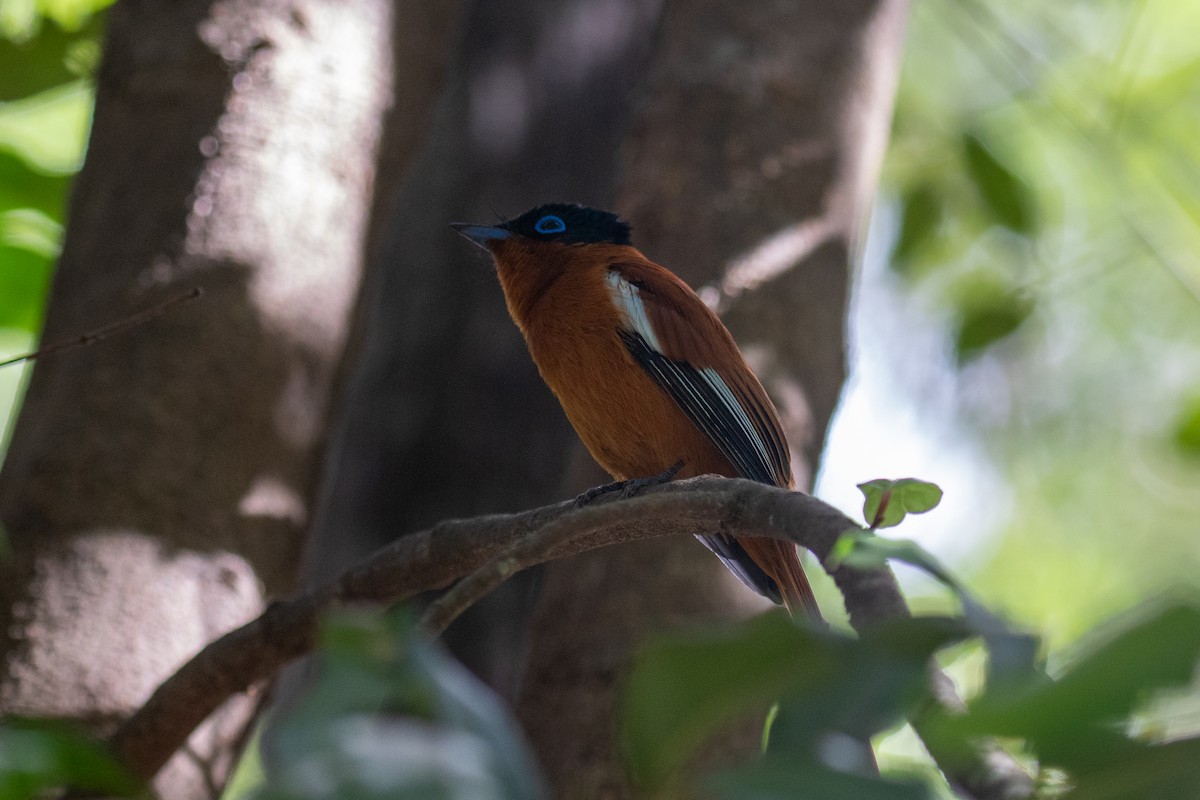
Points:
(648, 375)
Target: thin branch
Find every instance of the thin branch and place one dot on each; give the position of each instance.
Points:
(489, 549)
(91, 337)
(555, 534)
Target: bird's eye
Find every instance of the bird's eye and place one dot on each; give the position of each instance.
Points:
(550, 224)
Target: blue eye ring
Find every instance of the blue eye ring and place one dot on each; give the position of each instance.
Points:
(550, 224)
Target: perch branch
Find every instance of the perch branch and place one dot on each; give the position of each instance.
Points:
(487, 550)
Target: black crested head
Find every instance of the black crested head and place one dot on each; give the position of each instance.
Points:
(569, 223)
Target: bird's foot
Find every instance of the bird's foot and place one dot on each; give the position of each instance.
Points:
(598, 491)
(635, 485)
(630, 487)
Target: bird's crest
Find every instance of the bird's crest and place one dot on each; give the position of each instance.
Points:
(569, 223)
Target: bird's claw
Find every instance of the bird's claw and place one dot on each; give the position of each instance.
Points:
(591, 494)
(628, 488)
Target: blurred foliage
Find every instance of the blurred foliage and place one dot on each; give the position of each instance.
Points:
(1050, 147)
(389, 716)
(38, 756)
(838, 691)
(1044, 182)
(1075, 336)
(23, 20)
(835, 690)
(1187, 428)
(392, 716)
(1013, 655)
(1006, 197)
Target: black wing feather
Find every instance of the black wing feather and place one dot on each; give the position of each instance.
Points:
(705, 407)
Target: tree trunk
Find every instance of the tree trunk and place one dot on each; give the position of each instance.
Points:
(158, 482)
(750, 165)
(445, 414)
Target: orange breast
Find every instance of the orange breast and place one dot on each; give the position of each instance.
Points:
(630, 425)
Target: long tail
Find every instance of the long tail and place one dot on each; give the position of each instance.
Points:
(781, 562)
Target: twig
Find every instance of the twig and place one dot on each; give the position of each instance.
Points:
(489, 549)
(91, 337)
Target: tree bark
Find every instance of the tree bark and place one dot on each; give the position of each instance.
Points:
(158, 483)
(750, 164)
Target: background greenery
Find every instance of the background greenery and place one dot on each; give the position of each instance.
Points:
(1041, 215)
(1046, 169)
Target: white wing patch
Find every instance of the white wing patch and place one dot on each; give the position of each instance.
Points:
(627, 298)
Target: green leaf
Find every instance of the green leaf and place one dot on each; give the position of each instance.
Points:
(986, 320)
(37, 756)
(1187, 429)
(847, 543)
(886, 502)
(30, 230)
(878, 509)
(1069, 720)
(49, 130)
(878, 679)
(779, 778)
(1012, 655)
(24, 277)
(683, 688)
(1004, 193)
(18, 20)
(1166, 770)
(765, 740)
(24, 188)
(393, 717)
(921, 214)
(51, 58)
(917, 496)
(866, 550)
(72, 14)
